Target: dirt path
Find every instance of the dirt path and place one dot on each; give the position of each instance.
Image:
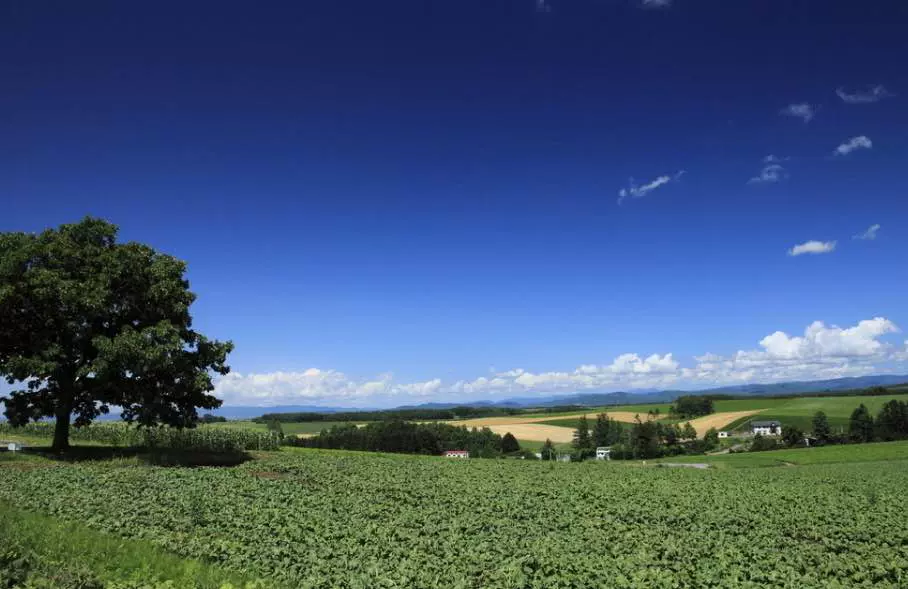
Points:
(719, 420)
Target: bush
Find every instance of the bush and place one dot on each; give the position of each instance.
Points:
(762, 444)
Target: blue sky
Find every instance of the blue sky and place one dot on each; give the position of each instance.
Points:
(395, 202)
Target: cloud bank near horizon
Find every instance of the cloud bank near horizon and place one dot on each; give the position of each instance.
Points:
(823, 351)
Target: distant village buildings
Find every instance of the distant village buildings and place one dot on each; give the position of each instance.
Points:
(457, 454)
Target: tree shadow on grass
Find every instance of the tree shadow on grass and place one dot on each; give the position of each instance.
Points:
(148, 456)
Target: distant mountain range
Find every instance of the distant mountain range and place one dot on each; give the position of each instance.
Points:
(604, 399)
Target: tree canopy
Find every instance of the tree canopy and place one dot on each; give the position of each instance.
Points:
(87, 323)
(821, 430)
(582, 438)
(690, 406)
(606, 431)
(509, 443)
(860, 425)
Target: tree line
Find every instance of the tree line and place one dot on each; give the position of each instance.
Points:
(460, 412)
(691, 406)
(411, 438)
(643, 439)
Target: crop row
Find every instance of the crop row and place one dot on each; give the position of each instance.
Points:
(118, 434)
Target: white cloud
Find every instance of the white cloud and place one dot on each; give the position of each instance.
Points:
(872, 94)
(635, 191)
(823, 351)
(772, 171)
(820, 341)
(812, 247)
(859, 142)
(870, 233)
(801, 110)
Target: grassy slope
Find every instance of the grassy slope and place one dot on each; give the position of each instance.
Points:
(60, 547)
(800, 411)
(537, 446)
(884, 451)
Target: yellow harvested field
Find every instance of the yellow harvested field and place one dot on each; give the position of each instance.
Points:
(719, 420)
(625, 416)
(530, 428)
(533, 432)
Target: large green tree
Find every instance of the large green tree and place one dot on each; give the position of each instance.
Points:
(548, 450)
(582, 438)
(509, 443)
(892, 420)
(87, 323)
(860, 425)
(821, 430)
(791, 435)
(606, 430)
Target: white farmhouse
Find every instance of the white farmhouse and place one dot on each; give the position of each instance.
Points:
(603, 453)
(766, 428)
(723, 434)
(457, 454)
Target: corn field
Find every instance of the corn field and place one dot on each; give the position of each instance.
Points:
(118, 434)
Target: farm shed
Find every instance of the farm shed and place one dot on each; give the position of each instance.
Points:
(457, 454)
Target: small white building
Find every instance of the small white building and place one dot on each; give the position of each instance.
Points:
(603, 453)
(457, 454)
(723, 434)
(766, 428)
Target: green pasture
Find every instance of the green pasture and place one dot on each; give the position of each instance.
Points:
(851, 453)
(799, 411)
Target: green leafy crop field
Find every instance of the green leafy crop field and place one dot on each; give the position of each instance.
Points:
(308, 518)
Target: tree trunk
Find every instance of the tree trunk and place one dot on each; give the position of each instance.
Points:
(61, 430)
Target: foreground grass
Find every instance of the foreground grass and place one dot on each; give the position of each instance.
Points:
(854, 453)
(67, 554)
